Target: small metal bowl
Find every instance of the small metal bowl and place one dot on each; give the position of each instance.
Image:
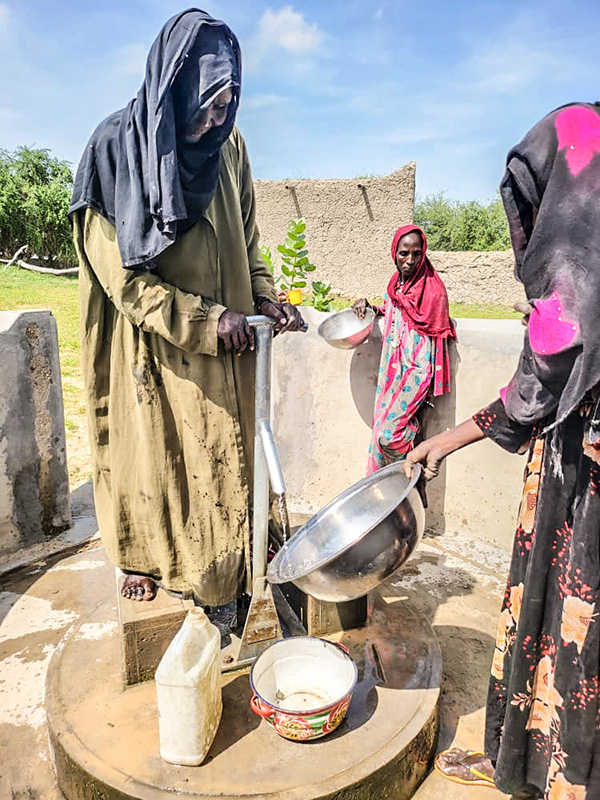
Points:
(357, 541)
(345, 330)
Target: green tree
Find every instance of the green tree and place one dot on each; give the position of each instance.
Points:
(466, 225)
(35, 192)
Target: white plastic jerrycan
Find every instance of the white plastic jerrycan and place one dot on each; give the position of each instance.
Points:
(188, 688)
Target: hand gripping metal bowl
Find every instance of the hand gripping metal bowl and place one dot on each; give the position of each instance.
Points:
(345, 330)
(357, 541)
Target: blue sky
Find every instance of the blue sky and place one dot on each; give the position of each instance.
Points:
(331, 89)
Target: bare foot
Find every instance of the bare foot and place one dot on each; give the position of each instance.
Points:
(465, 766)
(138, 587)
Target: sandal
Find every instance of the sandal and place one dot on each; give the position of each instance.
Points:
(454, 758)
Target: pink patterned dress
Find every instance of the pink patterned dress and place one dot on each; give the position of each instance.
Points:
(409, 362)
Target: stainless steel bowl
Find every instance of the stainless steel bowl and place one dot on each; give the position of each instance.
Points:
(357, 541)
(345, 330)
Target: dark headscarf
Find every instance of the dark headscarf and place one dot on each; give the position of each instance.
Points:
(137, 170)
(553, 180)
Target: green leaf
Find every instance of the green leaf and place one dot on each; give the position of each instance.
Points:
(310, 268)
(299, 244)
(299, 284)
(281, 249)
(286, 271)
(300, 226)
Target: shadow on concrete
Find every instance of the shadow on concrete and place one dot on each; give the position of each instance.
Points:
(82, 500)
(16, 582)
(238, 719)
(436, 420)
(428, 581)
(364, 367)
(467, 657)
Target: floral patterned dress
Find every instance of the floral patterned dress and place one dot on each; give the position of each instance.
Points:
(543, 720)
(406, 372)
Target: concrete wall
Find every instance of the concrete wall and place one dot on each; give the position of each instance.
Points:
(323, 401)
(34, 487)
(349, 224)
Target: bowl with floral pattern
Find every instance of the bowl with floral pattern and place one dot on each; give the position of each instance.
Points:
(303, 686)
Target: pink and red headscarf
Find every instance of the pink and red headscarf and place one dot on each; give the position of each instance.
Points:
(422, 298)
(423, 301)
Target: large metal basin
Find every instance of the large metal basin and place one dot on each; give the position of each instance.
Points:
(345, 330)
(357, 541)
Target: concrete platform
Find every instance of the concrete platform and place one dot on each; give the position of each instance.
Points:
(105, 738)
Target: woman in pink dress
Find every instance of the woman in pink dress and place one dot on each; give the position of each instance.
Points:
(414, 357)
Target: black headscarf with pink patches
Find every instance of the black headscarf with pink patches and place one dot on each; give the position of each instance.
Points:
(551, 193)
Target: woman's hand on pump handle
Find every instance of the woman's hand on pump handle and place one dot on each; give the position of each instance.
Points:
(360, 307)
(287, 315)
(235, 333)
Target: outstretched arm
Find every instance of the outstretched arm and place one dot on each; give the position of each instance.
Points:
(433, 451)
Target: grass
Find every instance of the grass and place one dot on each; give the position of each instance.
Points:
(20, 289)
(457, 310)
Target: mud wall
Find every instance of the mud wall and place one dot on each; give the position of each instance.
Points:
(348, 224)
(349, 230)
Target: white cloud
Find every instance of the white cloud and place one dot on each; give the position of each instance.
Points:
(378, 14)
(288, 29)
(283, 30)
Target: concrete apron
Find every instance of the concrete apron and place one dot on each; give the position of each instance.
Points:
(105, 738)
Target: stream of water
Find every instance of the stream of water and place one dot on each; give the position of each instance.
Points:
(283, 513)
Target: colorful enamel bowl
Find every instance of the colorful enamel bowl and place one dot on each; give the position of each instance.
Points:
(303, 686)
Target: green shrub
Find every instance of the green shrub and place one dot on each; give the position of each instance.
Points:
(466, 225)
(321, 299)
(295, 257)
(35, 193)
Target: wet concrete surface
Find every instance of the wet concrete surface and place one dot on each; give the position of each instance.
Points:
(455, 583)
(381, 749)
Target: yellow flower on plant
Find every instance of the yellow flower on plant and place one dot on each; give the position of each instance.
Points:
(561, 789)
(576, 619)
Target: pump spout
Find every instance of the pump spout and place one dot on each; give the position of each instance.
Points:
(268, 445)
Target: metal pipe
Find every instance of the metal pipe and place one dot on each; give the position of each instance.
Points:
(270, 451)
(266, 460)
(262, 411)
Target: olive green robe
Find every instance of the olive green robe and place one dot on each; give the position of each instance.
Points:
(170, 411)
